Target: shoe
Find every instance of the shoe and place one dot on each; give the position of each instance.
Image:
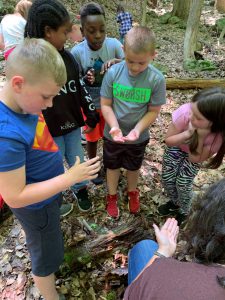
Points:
(111, 206)
(98, 180)
(65, 209)
(133, 201)
(83, 201)
(168, 208)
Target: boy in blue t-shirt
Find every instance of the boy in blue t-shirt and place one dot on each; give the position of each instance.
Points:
(31, 166)
(131, 97)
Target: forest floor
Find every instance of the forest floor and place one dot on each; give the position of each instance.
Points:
(103, 274)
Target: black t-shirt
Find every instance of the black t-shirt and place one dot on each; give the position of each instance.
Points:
(66, 114)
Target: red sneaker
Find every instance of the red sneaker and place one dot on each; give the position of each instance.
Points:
(133, 201)
(111, 206)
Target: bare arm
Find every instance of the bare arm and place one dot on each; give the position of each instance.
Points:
(202, 152)
(176, 137)
(166, 237)
(17, 194)
(148, 118)
(2, 44)
(108, 114)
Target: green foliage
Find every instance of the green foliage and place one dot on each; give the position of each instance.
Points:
(199, 65)
(182, 24)
(7, 7)
(220, 24)
(174, 20)
(76, 257)
(111, 295)
(165, 18)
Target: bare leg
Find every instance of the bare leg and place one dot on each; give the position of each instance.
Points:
(112, 180)
(46, 286)
(132, 180)
(92, 149)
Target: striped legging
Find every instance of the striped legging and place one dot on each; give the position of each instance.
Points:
(178, 174)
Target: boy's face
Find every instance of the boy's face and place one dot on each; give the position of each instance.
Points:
(137, 62)
(33, 98)
(58, 37)
(93, 30)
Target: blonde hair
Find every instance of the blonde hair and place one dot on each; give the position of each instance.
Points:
(140, 39)
(36, 60)
(23, 7)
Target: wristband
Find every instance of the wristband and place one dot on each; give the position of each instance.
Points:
(159, 254)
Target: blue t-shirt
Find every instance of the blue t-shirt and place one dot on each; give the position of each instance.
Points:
(26, 141)
(131, 96)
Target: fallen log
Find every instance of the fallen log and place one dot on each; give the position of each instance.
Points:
(198, 83)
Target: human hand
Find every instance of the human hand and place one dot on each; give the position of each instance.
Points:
(87, 129)
(90, 76)
(108, 64)
(133, 135)
(117, 134)
(166, 237)
(87, 170)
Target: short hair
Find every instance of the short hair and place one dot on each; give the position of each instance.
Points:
(36, 59)
(91, 9)
(140, 39)
(23, 7)
(44, 13)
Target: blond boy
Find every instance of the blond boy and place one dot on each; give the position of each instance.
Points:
(131, 97)
(31, 167)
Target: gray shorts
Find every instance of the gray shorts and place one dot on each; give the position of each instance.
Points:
(43, 236)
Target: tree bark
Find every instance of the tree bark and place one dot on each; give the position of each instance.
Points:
(144, 7)
(176, 83)
(190, 39)
(220, 5)
(181, 8)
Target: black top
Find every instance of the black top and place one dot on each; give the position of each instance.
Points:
(66, 114)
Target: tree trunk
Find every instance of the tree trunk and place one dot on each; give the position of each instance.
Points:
(190, 39)
(144, 7)
(220, 5)
(176, 83)
(181, 8)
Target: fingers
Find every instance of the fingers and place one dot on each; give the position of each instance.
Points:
(156, 229)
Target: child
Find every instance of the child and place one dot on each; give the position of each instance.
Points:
(50, 20)
(125, 21)
(131, 97)
(12, 27)
(96, 52)
(31, 166)
(196, 133)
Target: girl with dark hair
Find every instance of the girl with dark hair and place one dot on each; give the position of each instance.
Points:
(153, 274)
(49, 19)
(197, 133)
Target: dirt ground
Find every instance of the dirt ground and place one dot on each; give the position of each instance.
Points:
(104, 275)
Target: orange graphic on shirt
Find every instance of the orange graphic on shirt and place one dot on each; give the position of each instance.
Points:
(43, 139)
